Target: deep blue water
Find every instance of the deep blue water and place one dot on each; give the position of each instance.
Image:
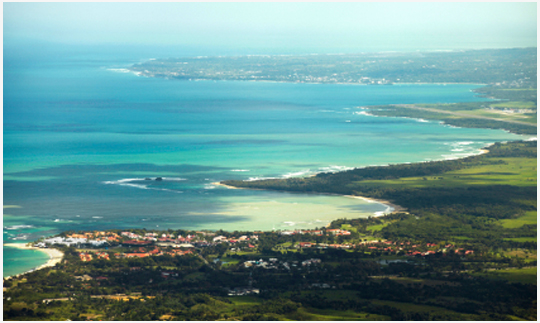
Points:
(80, 139)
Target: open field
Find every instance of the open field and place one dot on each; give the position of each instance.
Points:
(525, 275)
(515, 104)
(522, 239)
(414, 308)
(514, 116)
(313, 314)
(502, 115)
(479, 113)
(515, 171)
(528, 218)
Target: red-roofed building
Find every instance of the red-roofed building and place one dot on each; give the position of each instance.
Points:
(136, 243)
(136, 255)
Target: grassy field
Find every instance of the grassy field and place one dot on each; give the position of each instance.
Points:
(377, 227)
(414, 308)
(524, 275)
(516, 171)
(527, 218)
(313, 314)
(500, 114)
(521, 110)
(348, 227)
(522, 239)
(514, 105)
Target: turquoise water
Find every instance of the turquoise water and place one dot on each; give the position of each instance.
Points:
(17, 261)
(80, 139)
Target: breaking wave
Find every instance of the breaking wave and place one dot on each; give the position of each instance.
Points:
(18, 227)
(129, 182)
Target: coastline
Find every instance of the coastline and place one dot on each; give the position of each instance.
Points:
(138, 73)
(394, 207)
(55, 256)
(389, 205)
(229, 186)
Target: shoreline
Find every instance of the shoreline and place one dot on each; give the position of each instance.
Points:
(55, 257)
(395, 208)
(389, 205)
(138, 73)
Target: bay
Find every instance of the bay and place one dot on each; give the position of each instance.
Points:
(84, 143)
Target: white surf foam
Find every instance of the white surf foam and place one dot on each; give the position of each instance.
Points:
(21, 237)
(251, 179)
(335, 168)
(239, 170)
(296, 174)
(364, 113)
(17, 227)
(127, 182)
(119, 70)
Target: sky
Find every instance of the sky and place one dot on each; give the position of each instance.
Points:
(277, 27)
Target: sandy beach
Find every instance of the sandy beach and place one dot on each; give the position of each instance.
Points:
(227, 186)
(395, 208)
(55, 255)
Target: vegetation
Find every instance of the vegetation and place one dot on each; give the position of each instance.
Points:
(501, 67)
(465, 250)
(517, 117)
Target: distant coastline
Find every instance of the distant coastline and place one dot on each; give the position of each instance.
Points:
(394, 207)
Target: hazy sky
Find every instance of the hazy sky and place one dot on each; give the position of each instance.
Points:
(309, 27)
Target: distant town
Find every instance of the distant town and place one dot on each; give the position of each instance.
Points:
(515, 68)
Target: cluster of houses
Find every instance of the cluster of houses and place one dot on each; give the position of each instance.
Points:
(411, 249)
(72, 242)
(274, 263)
(104, 239)
(408, 248)
(241, 291)
(138, 253)
(235, 240)
(324, 245)
(142, 253)
(87, 256)
(336, 232)
(164, 237)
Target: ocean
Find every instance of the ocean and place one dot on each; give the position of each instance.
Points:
(84, 143)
